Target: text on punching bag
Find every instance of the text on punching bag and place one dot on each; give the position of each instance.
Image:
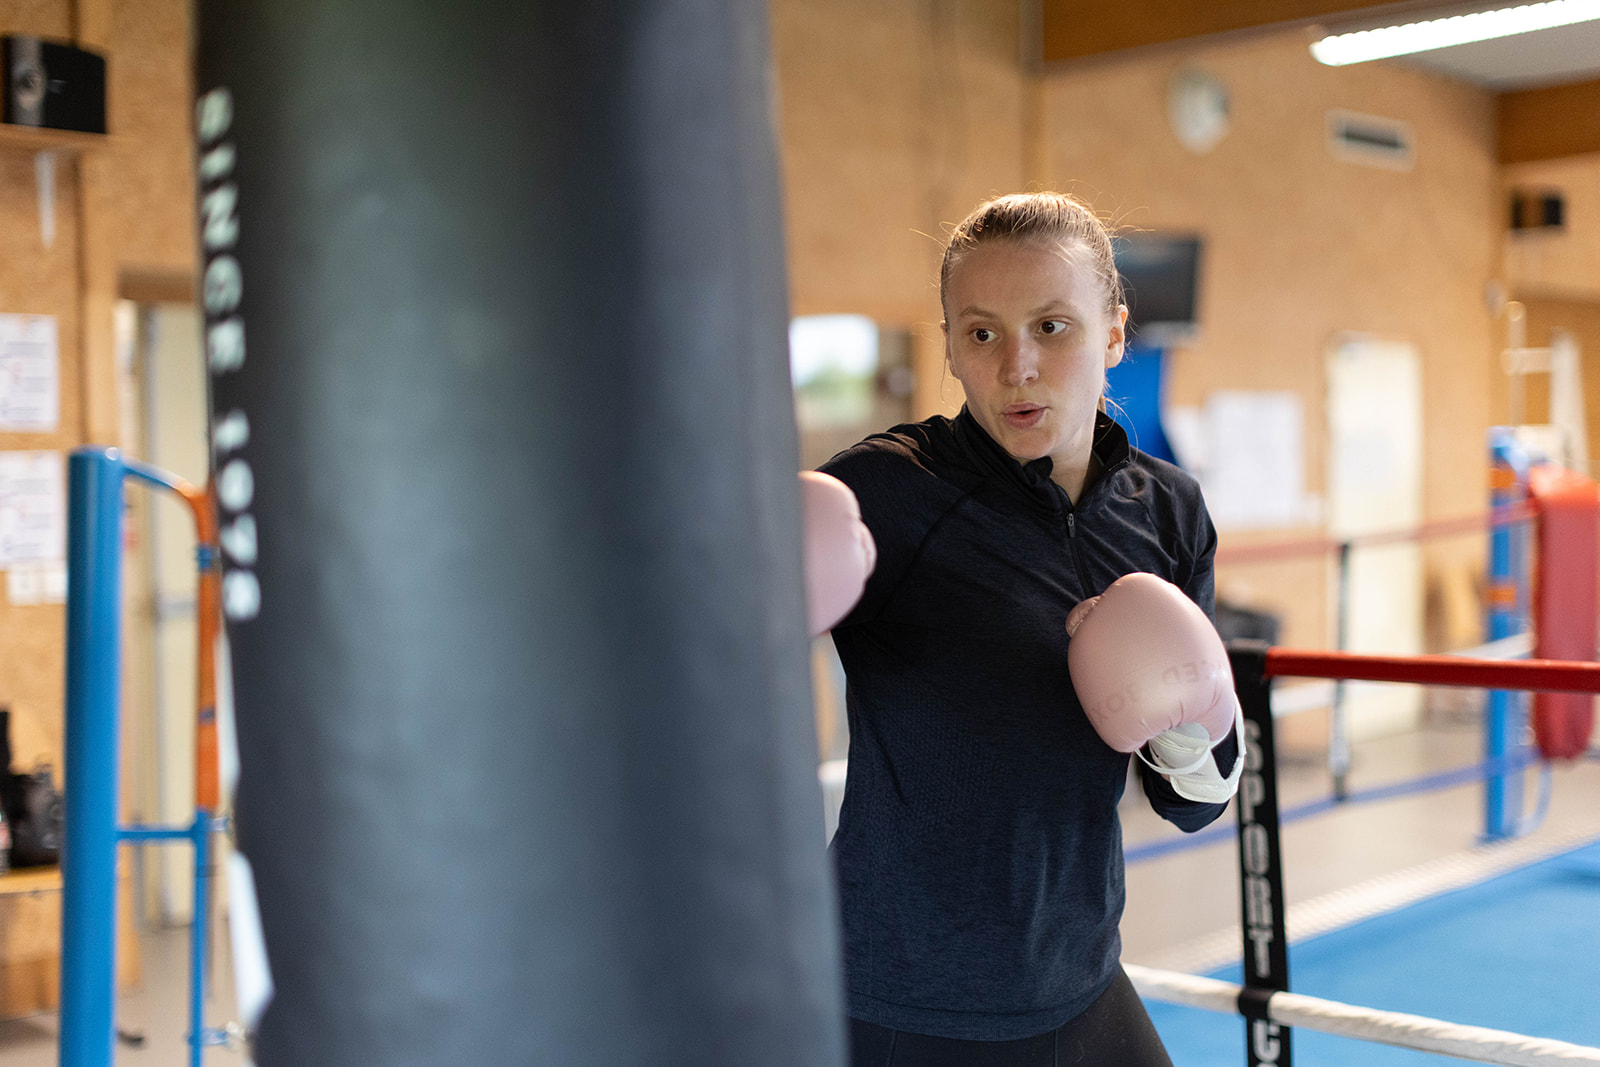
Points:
(222, 292)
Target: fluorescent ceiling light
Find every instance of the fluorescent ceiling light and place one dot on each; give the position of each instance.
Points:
(1389, 41)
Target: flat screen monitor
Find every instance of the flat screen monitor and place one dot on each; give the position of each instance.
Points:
(1161, 273)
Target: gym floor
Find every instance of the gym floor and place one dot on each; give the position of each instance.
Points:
(157, 1012)
(1183, 908)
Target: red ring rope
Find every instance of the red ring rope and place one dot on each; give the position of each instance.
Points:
(1548, 675)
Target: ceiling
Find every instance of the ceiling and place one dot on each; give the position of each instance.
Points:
(1078, 29)
(1546, 83)
(1528, 60)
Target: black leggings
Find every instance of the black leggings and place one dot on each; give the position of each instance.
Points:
(1114, 1031)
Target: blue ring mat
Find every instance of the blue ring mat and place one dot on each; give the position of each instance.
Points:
(1519, 951)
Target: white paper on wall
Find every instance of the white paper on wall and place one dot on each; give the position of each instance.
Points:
(53, 577)
(23, 586)
(30, 377)
(33, 507)
(39, 581)
(1254, 473)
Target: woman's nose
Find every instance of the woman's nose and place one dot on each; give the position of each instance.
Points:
(1019, 363)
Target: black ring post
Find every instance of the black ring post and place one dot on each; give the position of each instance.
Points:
(1266, 952)
(505, 455)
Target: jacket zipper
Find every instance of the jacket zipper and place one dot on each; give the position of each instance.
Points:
(1077, 557)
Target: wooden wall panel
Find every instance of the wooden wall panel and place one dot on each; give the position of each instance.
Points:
(1074, 29)
(1300, 247)
(1549, 123)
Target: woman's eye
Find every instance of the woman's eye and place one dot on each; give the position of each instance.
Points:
(1052, 326)
(983, 335)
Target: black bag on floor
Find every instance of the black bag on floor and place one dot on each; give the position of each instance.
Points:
(32, 806)
(37, 822)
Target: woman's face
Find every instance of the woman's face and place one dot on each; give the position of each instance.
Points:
(1028, 335)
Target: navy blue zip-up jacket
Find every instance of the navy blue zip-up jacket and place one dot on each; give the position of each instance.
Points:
(979, 852)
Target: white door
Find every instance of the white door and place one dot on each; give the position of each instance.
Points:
(1375, 485)
(174, 439)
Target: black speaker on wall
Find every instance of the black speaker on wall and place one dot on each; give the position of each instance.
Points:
(56, 85)
(1537, 210)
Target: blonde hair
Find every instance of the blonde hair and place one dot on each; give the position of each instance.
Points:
(1052, 217)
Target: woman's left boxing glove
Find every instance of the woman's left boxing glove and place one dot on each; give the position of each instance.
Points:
(1150, 669)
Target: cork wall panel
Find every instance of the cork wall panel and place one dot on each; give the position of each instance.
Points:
(145, 227)
(39, 18)
(39, 280)
(1301, 247)
(896, 117)
(32, 680)
(124, 207)
(1564, 263)
(151, 177)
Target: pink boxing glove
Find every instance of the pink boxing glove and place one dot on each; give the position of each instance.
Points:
(839, 551)
(1149, 667)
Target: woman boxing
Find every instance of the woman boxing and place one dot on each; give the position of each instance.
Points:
(979, 853)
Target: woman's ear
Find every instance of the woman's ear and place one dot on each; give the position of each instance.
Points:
(1117, 342)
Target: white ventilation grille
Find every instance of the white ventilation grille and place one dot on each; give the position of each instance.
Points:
(1369, 139)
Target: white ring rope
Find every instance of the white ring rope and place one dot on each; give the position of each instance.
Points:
(1367, 1024)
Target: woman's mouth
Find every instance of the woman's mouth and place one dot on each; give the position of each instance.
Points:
(1022, 416)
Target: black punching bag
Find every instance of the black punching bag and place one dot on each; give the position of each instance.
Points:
(495, 320)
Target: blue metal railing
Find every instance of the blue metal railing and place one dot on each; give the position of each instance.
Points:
(95, 478)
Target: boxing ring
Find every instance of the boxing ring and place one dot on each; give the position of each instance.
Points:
(1507, 524)
(1284, 1009)
(1269, 1009)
